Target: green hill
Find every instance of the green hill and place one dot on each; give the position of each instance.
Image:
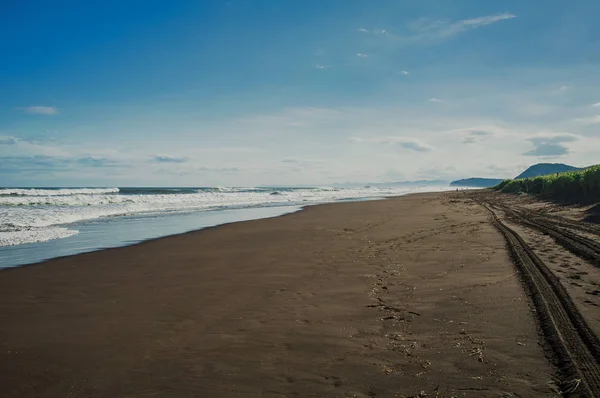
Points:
(542, 169)
(476, 182)
(580, 186)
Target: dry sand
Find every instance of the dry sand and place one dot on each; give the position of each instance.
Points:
(412, 296)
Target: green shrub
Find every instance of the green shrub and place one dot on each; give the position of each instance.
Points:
(572, 186)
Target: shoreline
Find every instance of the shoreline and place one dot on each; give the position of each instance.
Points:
(47, 215)
(144, 240)
(295, 209)
(371, 298)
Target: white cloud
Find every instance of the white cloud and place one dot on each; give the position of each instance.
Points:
(40, 110)
(415, 146)
(482, 21)
(220, 169)
(564, 88)
(363, 30)
(319, 66)
(408, 143)
(597, 104)
(304, 163)
(292, 118)
(224, 150)
(428, 30)
(435, 100)
(169, 159)
(397, 132)
(480, 132)
(360, 55)
(552, 146)
(404, 72)
(16, 146)
(589, 120)
(8, 140)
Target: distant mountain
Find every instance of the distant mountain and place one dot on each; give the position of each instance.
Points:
(542, 169)
(418, 183)
(393, 184)
(476, 182)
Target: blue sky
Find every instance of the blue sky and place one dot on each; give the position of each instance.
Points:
(241, 92)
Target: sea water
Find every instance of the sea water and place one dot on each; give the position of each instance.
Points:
(41, 223)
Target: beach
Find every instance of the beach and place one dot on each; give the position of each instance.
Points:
(404, 297)
(38, 224)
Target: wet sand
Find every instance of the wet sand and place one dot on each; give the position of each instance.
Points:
(411, 296)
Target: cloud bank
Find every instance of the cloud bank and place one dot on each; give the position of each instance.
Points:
(550, 146)
(40, 110)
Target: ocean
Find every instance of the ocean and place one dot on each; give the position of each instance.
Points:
(37, 224)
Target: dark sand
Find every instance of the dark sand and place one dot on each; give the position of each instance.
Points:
(403, 297)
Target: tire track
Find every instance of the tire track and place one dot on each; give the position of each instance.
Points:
(581, 246)
(581, 226)
(573, 346)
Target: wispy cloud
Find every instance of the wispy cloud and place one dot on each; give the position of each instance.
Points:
(473, 135)
(597, 104)
(480, 132)
(482, 21)
(428, 30)
(35, 164)
(373, 31)
(550, 146)
(295, 118)
(93, 161)
(220, 169)
(404, 72)
(446, 29)
(415, 146)
(408, 143)
(169, 159)
(7, 140)
(40, 110)
(19, 146)
(43, 165)
(589, 120)
(306, 163)
(319, 66)
(360, 55)
(435, 100)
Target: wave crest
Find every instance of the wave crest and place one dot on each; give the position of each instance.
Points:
(56, 192)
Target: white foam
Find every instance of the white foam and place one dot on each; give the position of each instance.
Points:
(38, 217)
(56, 192)
(10, 238)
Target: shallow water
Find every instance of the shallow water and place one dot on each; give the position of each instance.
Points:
(29, 215)
(40, 224)
(123, 231)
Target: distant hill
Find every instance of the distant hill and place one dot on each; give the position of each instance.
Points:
(476, 182)
(542, 169)
(580, 186)
(394, 184)
(418, 183)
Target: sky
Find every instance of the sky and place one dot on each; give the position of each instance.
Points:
(298, 92)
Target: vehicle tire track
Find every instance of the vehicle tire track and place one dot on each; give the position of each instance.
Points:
(581, 246)
(573, 346)
(566, 223)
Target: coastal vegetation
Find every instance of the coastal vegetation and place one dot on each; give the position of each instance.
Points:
(476, 182)
(581, 186)
(535, 170)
